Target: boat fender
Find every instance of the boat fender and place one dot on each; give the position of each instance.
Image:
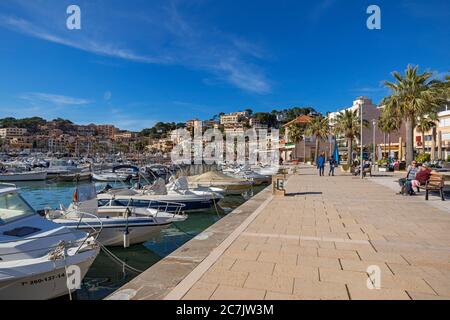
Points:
(126, 238)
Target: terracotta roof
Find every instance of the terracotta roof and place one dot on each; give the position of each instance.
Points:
(299, 119)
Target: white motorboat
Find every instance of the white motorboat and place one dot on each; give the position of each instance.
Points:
(248, 174)
(265, 170)
(182, 183)
(36, 255)
(120, 224)
(110, 177)
(119, 173)
(231, 185)
(59, 166)
(23, 176)
(70, 177)
(157, 195)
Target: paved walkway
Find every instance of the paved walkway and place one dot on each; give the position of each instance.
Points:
(318, 242)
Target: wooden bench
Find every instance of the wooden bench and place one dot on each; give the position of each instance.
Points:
(435, 183)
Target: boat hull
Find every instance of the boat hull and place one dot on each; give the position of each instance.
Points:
(25, 176)
(113, 234)
(48, 284)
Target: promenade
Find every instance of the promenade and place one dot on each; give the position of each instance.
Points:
(318, 242)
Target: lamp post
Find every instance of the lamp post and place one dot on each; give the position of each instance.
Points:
(374, 157)
(361, 139)
(304, 149)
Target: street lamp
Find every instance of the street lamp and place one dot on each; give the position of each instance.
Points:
(304, 149)
(361, 139)
(374, 157)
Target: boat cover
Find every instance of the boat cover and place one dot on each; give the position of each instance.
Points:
(214, 176)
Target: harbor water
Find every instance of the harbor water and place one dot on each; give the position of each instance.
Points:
(106, 274)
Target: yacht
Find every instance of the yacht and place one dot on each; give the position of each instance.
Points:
(35, 253)
(23, 176)
(121, 173)
(59, 166)
(157, 195)
(123, 224)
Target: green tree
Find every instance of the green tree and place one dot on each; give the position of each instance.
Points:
(296, 132)
(412, 95)
(348, 124)
(318, 128)
(388, 123)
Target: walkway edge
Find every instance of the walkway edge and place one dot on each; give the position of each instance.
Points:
(186, 284)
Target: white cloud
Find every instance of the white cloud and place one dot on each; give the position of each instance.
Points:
(170, 38)
(55, 99)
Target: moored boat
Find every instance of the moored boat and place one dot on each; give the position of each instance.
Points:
(231, 185)
(23, 176)
(120, 225)
(36, 255)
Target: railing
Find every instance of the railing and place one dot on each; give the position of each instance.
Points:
(162, 206)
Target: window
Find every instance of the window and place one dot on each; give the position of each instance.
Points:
(13, 207)
(446, 136)
(444, 122)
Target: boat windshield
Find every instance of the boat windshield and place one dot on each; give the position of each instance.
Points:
(13, 207)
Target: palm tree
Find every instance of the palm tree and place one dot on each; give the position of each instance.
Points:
(348, 124)
(412, 96)
(318, 128)
(296, 132)
(424, 124)
(388, 123)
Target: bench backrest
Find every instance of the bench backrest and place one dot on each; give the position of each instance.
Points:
(436, 180)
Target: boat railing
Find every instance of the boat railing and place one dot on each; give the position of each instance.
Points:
(175, 208)
(7, 185)
(94, 232)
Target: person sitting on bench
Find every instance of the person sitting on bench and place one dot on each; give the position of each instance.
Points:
(411, 175)
(422, 176)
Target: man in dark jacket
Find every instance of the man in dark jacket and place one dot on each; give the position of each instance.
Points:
(321, 164)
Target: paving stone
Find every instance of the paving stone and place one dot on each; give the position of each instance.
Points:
(253, 266)
(224, 292)
(272, 283)
(318, 290)
(201, 291)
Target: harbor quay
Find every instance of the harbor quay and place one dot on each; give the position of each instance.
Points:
(338, 237)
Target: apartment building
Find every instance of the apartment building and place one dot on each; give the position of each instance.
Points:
(106, 130)
(233, 118)
(6, 133)
(441, 144)
(371, 113)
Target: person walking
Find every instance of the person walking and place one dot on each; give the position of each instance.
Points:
(332, 163)
(321, 164)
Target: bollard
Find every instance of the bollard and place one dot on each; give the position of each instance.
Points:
(278, 182)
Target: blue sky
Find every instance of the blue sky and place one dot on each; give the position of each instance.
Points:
(136, 62)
